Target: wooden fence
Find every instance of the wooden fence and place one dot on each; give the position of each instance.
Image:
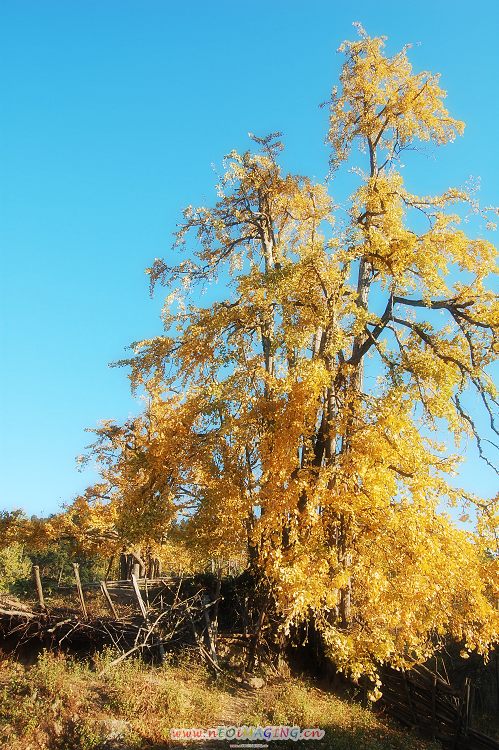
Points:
(426, 701)
(174, 608)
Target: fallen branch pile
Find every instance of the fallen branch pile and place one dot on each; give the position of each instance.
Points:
(182, 620)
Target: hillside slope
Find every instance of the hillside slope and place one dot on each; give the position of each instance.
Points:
(60, 704)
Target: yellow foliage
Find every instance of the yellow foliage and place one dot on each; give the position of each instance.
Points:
(262, 434)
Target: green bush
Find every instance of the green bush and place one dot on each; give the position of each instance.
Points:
(15, 566)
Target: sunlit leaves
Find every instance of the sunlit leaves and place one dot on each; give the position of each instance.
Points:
(263, 435)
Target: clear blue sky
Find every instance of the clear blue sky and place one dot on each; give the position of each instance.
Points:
(112, 113)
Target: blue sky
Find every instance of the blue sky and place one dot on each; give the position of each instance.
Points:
(112, 115)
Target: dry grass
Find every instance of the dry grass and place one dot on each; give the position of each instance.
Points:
(61, 704)
(348, 725)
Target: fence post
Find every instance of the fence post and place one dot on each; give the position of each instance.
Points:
(39, 589)
(76, 569)
(214, 616)
(209, 632)
(467, 705)
(109, 601)
(434, 707)
(140, 601)
(108, 571)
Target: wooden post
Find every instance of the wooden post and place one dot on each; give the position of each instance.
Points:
(123, 574)
(467, 705)
(409, 699)
(209, 632)
(76, 569)
(497, 679)
(136, 570)
(434, 707)
(39, 589)
(141, 571)
(111, 561)
(109, 601)
(140, 601)
(214, 617)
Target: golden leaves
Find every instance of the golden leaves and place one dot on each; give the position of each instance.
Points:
(268, 434)
(385, 104)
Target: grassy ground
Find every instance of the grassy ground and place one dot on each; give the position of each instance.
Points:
(61, 704)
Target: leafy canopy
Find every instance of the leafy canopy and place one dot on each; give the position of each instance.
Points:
(262, 432)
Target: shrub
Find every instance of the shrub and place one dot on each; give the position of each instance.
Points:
(15, 566)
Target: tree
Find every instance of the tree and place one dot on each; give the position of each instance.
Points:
(262, 431)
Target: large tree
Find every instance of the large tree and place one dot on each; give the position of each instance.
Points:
(262, 431)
